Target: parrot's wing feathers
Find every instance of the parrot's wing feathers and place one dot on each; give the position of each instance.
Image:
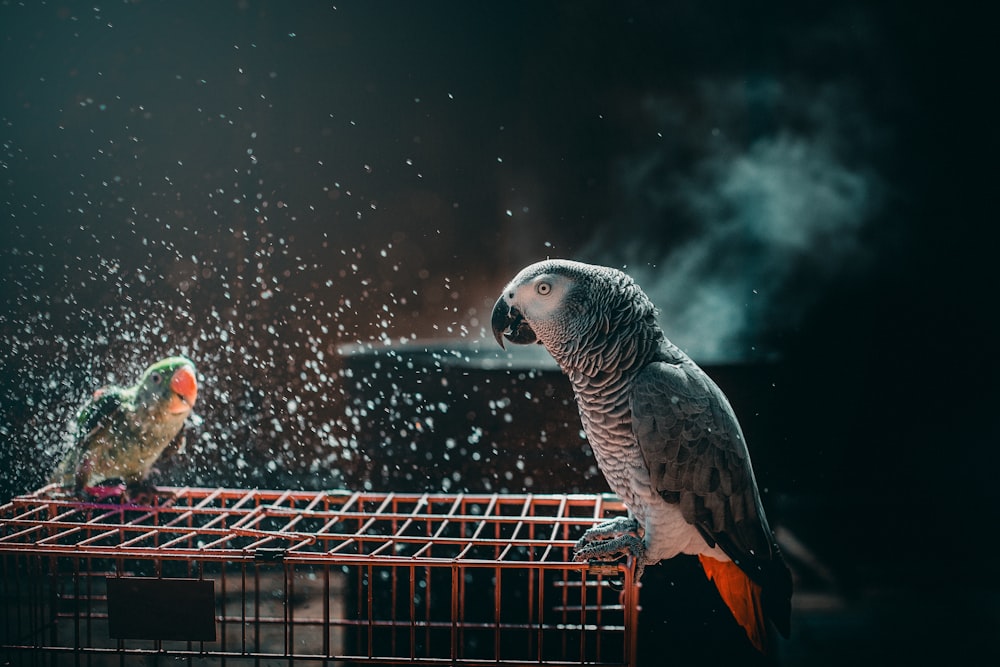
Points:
(693, 446)
(698, 459)
(95, 415)
(98, 412)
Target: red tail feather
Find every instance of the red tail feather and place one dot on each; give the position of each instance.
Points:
(741, 595)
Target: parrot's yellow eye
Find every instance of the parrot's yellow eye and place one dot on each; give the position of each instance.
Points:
(543, 288)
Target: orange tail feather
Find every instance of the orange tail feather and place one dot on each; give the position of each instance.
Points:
(741, 595)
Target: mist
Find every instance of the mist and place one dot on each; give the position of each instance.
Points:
(735, 227)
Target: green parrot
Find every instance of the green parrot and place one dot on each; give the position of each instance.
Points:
(122, 431)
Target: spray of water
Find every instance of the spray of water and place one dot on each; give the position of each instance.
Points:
(312, 375)
(264, 339)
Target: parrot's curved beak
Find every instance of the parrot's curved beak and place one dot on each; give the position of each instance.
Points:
(509, 323)
(185, 387)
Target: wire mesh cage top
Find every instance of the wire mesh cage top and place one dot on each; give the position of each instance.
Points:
(214, 524)
(366, 578)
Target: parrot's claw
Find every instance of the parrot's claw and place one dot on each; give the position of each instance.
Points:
(132, 493)
(609, 529)
(105, 490)
(627, 544)
(141, 493)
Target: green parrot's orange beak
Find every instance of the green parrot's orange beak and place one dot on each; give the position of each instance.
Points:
(185, 388)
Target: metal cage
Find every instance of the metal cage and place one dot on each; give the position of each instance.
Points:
(219, 576)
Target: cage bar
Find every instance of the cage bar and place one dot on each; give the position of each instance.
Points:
(318, 578)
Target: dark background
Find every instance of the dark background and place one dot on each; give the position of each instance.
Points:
(803, 189)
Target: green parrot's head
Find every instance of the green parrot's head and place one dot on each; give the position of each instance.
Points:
(566, 305)
(170, 383)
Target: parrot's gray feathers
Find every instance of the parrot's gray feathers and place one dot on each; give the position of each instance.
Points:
(705, 533)
(700, 456)
(705, 469)
(663, 433)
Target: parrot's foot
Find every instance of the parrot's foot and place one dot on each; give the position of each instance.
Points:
(132, 493)
(605, 530)
(141, 493)
(111, 488)
(605, 546)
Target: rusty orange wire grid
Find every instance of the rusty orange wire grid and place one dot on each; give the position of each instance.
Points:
(252, 577)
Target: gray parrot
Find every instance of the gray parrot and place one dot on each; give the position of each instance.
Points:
(663, 434)
(122, 431)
